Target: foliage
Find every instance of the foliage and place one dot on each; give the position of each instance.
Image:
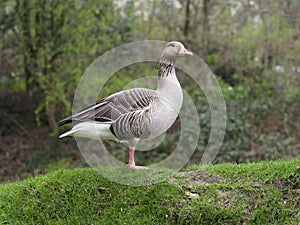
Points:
(56, 41)
(252, 47)
(257, 193)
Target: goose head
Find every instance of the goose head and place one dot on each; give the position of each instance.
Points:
(173, 50)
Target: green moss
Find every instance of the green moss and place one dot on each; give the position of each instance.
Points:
(256, 193)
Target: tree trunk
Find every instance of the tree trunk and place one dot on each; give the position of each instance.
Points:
(205, 27)
(51, 109)
(187, 20)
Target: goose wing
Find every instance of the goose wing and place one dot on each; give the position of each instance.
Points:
(113, 106)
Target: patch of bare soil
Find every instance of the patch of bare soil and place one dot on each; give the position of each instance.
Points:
(202, 178)
(249, 191)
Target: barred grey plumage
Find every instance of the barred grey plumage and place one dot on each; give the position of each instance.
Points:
(134, 114)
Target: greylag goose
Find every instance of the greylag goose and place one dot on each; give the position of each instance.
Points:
(134, 114)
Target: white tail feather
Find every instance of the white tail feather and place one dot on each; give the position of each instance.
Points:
(68, 133)
(90, 129)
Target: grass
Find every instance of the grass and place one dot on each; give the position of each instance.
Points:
(253, 193)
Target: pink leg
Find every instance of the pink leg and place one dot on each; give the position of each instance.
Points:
(131, 162)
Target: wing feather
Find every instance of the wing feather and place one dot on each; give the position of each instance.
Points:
(115, 105)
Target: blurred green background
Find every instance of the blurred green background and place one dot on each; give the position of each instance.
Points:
(252, 47)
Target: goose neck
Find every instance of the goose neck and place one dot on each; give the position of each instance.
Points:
(167, 80)
(165, 68)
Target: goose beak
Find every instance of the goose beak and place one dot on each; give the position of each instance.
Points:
(184, 52)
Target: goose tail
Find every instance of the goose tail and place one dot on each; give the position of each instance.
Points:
(68, 133)
(91, 129)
